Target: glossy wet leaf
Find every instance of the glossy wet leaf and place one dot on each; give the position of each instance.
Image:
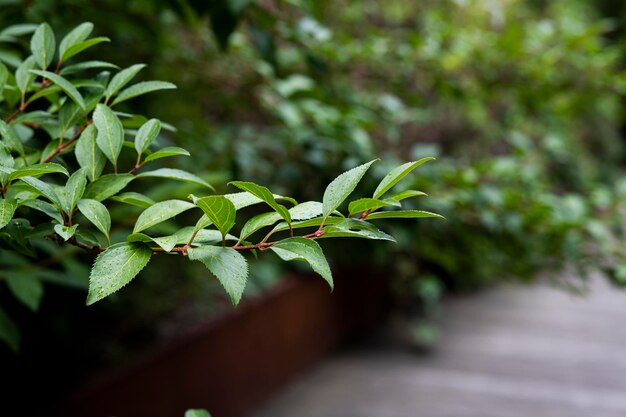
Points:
(228, 266)
(307, 250)
(110, 135)
(81, 46)
(175, 174)
(122, 78)
(220, 210)
(88, 154)
(355, 228)
(342, 186)
(146, 134)
(76, 35)
(10, 138)
(107, 186)
(167, 152)
(403, 214)
(116, 267)
(364, 204)
(143, 87)
(396, 175)
(37, 170)
(74, 190)
(264, 194)
(97, 214)
(159, 212)
(65, 85)
(7, 209)
(134, 199)
(66, 232)
(43, 45)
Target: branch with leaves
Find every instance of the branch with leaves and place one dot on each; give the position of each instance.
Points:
(62, 190)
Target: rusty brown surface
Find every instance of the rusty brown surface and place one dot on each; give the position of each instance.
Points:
(234, 363)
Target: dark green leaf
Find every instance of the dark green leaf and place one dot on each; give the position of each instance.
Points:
(396, 175)
(43, 45)
(166, 243)
(45, 208)
(10, 138)
(264, 194)
(143, 87)
(228, 265)
(403, 195)
(110, 136)
(116, 267)
(220, 210)
(4, 76)
(65, 85)
(341, 187)
(71, 69)
(9, 332)
(197, 413)
(27, 289)
(307, 250)
(44, 189)
(88, 154)
(159, 212)
(97, 214)
(107, 186)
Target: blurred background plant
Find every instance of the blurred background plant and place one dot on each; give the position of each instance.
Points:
(521, 100)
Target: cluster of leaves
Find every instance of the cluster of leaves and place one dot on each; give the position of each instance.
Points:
(60, 122)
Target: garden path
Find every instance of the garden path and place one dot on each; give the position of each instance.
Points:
(511, 351)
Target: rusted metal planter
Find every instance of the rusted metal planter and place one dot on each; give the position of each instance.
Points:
(234, 363)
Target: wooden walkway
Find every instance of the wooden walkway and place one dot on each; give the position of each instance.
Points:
(507, 352)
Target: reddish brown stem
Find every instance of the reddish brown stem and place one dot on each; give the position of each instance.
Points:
(64, 146)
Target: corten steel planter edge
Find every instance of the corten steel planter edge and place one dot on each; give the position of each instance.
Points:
(236, 361)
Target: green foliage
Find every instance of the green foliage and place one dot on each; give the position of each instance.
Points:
(67, 152)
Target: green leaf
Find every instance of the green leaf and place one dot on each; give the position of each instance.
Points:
(166, 152)
(258, 222)
(197, 413)
(10, 138)
(65, 232)
(306, 223)
(9, 332)
(81, 46)
(220, 210)
(19, 29)
(88, 154)
(45, 208)
(7, 209)
(397, 174)
(264, 194)
(116, 267)
(146, 134)
(107, 185)
(23, 75)
(341, 187)
(307, 250)
(122, 78)
(403, 195)
(74, 190)
(134, 199)
(65, 85)
(97, 214)
(76, 35)
(43, 45)
(37, 170)
(72, 69)
(43, 189)
(355, 228)
(364, 204)
(402, 214)
(110, 137)
(4, 76)
(27, 289)
(306, 210)
(143, 87)
(228, 266)
(175, 174)
(160, 212)
(166, 243)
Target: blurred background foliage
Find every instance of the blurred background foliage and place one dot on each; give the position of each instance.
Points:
(522, 101)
